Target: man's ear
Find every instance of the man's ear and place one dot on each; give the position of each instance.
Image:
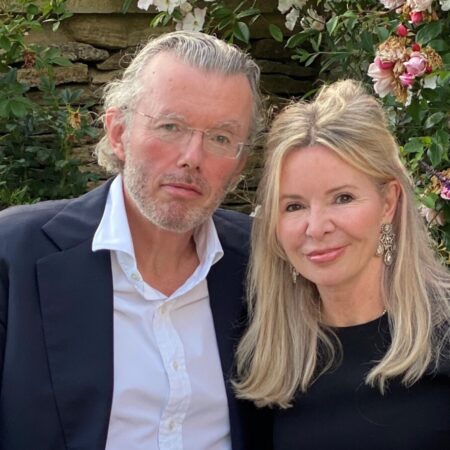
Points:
(115, 131)
(391, 192)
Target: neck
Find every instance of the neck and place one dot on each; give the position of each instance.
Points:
(355, 304)
(165, 259)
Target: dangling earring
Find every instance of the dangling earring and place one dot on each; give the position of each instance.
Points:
(386, 245)
(294, 274)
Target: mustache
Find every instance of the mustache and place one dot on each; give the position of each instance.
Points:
(186, 178)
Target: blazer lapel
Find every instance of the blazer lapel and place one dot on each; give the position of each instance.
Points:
(226, 299)
(76, 296)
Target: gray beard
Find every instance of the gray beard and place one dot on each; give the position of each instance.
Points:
(169, 215)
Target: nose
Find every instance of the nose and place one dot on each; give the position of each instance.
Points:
(191, 151)
(318, 223)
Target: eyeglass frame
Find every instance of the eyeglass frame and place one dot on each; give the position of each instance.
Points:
(240, 145)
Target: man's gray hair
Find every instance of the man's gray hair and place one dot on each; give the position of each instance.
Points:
(194, 48)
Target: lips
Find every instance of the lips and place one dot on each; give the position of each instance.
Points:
(184, 190)
(326, 255)
(187, 187)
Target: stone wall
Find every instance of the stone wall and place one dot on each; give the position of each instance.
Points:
(100, 41)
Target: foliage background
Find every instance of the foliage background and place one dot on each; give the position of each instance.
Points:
(340, 37)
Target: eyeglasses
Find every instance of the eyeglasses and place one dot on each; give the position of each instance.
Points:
(218, 142)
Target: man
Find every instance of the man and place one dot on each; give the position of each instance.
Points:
(120, 310)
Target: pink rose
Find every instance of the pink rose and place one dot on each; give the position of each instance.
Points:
(445, 192)
(382, 79)
(407, 79)
(385, 65)
(416, 65)
(416, 17)
(401, 30)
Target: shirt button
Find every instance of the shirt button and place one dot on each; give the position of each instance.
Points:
(175, 365)
(135, 276)
(172, 425)
(163, 309)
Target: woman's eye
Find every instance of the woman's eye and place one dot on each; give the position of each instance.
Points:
(344, 198)
(294, 207)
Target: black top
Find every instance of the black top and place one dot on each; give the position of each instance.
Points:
(340, 411)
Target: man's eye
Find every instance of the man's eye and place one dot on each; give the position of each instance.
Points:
(169, 127)
(220, 138)
(294, 207)
(344, 198)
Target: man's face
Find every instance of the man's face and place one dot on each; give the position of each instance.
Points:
(175, 186)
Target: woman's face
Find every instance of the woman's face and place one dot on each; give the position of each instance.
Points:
(330, 218)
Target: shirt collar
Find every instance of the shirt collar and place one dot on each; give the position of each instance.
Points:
(113, 231)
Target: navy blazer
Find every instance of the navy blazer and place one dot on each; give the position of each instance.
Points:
(56, 326)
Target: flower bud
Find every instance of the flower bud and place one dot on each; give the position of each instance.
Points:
(416, 17)
(401, 30)
(415, 47)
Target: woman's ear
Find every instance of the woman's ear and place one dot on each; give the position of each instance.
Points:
(391, 193)
(115, 131)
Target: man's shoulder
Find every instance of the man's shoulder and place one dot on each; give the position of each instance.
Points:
(33, 216)
(233, 220)
(233, 229)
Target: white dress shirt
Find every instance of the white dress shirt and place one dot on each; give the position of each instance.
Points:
(169, 392)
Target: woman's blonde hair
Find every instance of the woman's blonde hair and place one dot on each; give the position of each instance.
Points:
(285, 347)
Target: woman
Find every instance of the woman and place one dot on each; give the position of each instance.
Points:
(350, 313)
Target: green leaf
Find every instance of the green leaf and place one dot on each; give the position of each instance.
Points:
(241, 31)
(125, 5)
(221, 12)
(302, 55)
(248, 13)
(297, 39)
(311, 59)
(332, 24)
(429, 200)
(32, 9)
(440, 45)
(434, 119)
(276, 32)
(414, 145)
(60, 61)
(18, 108)
(5, 43)
(435, 154)
(367, 41)
(429, 31)
(158, 19)
(441, 137)
(383, 33)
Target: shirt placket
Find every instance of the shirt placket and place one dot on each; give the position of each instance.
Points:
(173, 357)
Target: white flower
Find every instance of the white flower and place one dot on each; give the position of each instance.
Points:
(430, 81)
(382, 79)
(390, 4)
(291, 18)
(445, 5)
(193, 22)
(185, 8)
(144, 4)
(285, 5)
(419, 5)
(167, 5)
(432, 216)
(312, 20)
(318, 22)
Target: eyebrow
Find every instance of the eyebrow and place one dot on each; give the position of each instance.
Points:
(330, 191)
